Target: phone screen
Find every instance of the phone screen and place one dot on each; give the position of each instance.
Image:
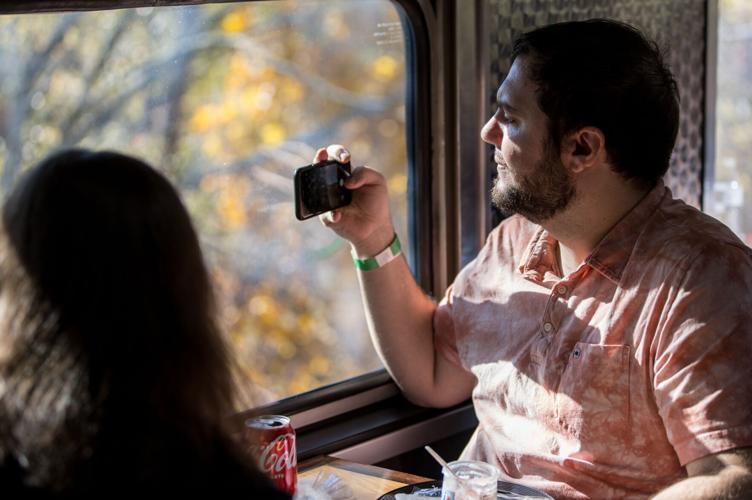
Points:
(320, 188)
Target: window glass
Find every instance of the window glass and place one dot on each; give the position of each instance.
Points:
(227, 100)
(732, 190)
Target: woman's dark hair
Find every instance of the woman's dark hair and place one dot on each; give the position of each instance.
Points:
(111, 363)
(606, 74)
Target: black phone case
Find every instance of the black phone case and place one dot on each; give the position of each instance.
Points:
(299, 189)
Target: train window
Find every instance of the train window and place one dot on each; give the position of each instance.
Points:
(732, 186)
(227, 100)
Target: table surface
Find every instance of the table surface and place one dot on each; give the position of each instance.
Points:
(366, 481)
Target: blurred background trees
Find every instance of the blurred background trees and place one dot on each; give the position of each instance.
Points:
(227, 100)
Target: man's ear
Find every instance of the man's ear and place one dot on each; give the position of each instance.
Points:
(583, 149)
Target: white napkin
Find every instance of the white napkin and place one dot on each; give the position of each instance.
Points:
(323, 487)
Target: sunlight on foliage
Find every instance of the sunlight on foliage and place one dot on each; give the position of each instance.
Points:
(385, 68)
(235, 22)
(272, 134)
(398, 184)
(227, 100)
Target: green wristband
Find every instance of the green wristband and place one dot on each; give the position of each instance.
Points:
(381, 259)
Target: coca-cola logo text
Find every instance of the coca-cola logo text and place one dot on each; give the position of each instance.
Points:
(279, 455)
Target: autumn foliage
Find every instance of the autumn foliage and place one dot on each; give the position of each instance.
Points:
(227, 100)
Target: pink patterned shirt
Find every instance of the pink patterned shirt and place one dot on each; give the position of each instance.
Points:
(606, 382)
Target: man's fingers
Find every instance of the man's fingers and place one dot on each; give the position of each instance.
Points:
(361, 176)
(321, 155)
(338, 152)
(330, 218)
(332, 152)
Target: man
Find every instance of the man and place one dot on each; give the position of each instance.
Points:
(605, 331)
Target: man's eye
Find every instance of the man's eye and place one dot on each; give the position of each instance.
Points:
(503, 118)
(506, 120)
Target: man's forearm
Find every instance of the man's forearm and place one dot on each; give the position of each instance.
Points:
(400, 318)
(731, 482)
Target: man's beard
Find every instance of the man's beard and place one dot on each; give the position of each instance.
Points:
(540, 195)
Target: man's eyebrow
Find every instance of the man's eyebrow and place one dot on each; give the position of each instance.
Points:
(503, 103)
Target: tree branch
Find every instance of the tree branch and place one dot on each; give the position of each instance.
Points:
(39, 62)
(96, 71)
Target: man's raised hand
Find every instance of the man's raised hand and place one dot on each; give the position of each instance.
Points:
(366, 223)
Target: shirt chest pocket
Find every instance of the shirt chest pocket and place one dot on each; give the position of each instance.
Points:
(592, 400)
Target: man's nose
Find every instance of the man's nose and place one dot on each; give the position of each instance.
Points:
(491, 132)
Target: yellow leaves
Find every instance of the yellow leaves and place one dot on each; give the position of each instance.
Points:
(231, 205)
(284, 338)
(232, 193)
(285, 324)
(209, 116)
(384, 68)
(306, 322)
(204, 118)
(302, 382)
(263, 306)
(397, 184)
(285, 347)
(240, 72)
(233, 23)
(237, 21)
(227, 112)
(212, 146)
(246, 115)
(238, 104)
(271, 317)
(248, 98)
(319, 365)
(272, 134)
(236, 134)
(267, 74)
(291, 91)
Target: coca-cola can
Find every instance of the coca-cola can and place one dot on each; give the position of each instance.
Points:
(271, 440)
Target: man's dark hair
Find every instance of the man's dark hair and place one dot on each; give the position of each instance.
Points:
(606, 74)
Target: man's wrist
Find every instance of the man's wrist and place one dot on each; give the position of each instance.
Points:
(381, 259)
(375, 243)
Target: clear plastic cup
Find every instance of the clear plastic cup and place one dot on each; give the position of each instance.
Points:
(479, 481)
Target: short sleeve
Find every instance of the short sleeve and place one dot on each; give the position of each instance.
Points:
(445, 339)
(703, 361)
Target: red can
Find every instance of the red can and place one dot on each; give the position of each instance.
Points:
(271, 440)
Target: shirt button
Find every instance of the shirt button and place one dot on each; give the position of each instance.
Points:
(547, 327)
(561, 289)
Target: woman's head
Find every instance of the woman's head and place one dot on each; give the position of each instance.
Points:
(101, 273)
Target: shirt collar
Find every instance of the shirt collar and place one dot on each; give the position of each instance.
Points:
(609, 257)
(540, 257)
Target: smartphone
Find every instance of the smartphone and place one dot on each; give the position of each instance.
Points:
(320, 188)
